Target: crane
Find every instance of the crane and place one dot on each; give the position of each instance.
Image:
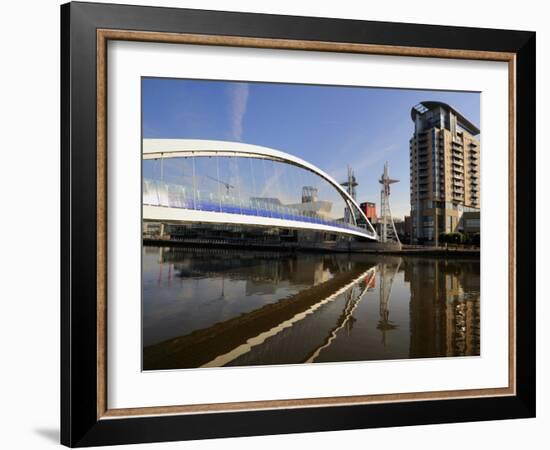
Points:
(227, 185)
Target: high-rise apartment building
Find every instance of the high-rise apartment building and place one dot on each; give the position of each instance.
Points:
(445, 171)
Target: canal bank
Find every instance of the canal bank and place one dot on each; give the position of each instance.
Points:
(374, 248)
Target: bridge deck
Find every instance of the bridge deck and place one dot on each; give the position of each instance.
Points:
(215, 213)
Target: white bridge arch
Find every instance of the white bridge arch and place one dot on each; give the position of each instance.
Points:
(160, 149)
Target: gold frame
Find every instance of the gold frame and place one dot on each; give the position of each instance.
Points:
(104, 35)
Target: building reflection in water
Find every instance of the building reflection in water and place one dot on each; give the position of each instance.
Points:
(445, 316)
(215, 307)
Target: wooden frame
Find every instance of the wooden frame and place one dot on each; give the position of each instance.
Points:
(86, 418)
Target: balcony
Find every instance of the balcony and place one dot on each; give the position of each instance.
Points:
(422, 137)
(457, 154)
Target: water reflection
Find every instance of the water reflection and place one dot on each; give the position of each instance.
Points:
(215, 307)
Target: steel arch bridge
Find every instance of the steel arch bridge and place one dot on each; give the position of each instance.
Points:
(159, 209)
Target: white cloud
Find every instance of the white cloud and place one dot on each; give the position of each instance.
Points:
(239, 100)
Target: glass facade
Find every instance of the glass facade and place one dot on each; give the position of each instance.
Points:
(248, 186)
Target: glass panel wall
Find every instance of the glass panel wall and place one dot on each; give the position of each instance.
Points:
(248, 186)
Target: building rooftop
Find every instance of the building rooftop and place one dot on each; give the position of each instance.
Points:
(422, 107)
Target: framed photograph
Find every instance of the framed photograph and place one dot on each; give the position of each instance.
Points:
(276, 224)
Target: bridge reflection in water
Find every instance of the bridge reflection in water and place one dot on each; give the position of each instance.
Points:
(215, 307)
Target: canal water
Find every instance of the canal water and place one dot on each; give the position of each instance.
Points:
(224, 307)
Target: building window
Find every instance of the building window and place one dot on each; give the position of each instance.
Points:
(427, 221)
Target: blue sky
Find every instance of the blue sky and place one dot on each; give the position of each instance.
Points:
(329, 126)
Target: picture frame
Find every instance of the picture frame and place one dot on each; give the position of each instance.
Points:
(86, 418)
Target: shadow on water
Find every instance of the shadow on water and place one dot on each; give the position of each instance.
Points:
(215, 307)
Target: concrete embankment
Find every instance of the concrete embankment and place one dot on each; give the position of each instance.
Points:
(432, 251)
(372, 248)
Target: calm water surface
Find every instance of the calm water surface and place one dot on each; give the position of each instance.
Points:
(216, 307)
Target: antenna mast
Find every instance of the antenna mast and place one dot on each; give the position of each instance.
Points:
(387, 231)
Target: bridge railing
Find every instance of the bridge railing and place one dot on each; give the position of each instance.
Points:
(157, 193)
